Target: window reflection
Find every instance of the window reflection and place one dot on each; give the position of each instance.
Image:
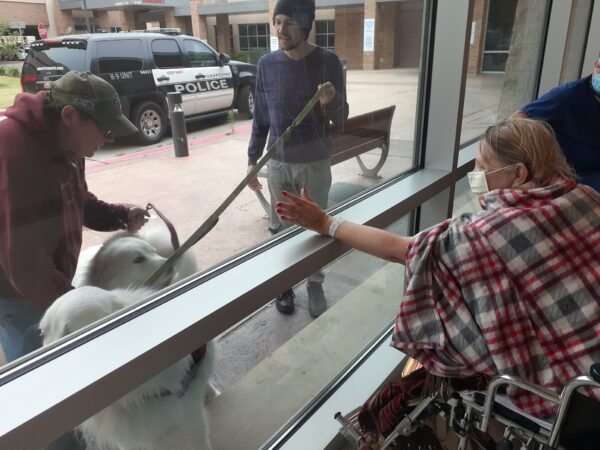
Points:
(506, 42)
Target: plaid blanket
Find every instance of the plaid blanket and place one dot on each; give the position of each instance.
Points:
(514, 289)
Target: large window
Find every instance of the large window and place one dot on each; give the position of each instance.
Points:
(505, 51)
(394, 156)
(254, 36)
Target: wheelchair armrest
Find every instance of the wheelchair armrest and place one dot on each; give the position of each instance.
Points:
(513, 415)
(507, 380)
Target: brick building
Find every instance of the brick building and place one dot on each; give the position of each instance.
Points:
(246, 25)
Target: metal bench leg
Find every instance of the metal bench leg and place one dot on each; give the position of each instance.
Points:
(374, 172)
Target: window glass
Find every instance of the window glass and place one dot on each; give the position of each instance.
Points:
(506, 44)
(325, 34)
(270, 365)
(69, 58)
(199, 54)
(363, 138)
(119, 55)
(122, 48)
(254, 36)
(167, 54)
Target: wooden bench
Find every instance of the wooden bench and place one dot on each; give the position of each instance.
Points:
(360, 134)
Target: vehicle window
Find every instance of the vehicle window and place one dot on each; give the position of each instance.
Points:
(117, 55)
(199, 54)
(167, 54)
(69, 58)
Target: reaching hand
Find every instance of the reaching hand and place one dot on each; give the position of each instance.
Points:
(303, 211)
(253, 184)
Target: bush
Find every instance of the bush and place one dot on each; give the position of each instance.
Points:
(14, 72)
(250, 56)
(2, 71)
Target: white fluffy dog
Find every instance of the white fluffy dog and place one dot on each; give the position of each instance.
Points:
(161, 413)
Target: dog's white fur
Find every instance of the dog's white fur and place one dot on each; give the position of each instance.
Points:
(142, 419)
(128, 260)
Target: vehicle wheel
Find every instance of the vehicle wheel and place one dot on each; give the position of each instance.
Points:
(246, 101)
(150, 119)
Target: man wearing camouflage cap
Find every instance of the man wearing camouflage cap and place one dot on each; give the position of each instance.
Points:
(44, 200)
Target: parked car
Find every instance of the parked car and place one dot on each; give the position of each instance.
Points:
(16, 54)
(143, 68)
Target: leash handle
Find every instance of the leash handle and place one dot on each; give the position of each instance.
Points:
(168, 223)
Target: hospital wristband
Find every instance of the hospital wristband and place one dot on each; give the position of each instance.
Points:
(335, 224)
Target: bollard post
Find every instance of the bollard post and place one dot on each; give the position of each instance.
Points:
(177, 118)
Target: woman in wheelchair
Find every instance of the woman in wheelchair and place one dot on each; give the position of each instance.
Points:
(511, 290)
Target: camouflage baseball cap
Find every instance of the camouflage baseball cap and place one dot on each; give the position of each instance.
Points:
(94, 96)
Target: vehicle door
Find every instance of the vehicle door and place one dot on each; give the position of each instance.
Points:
(213, 84)
(172, 72)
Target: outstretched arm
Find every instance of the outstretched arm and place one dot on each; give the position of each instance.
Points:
(303, 211)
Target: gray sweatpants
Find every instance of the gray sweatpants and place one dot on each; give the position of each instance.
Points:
(291, 177)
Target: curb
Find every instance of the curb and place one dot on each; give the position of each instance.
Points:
(169, 147)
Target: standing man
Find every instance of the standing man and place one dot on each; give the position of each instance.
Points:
(44, 200)
(286, 80)
(573, 112)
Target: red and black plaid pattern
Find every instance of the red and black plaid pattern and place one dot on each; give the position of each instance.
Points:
(514, 289)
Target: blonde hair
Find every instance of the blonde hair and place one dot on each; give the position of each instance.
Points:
(531, 142)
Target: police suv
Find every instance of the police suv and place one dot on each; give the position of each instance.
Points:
(143, 67)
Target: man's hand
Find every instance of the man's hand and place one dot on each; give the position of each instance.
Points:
(254, 184)
(136, 218)
(327, 93)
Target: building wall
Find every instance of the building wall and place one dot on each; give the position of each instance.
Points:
(386, 40)
(479, 22)
(349, 35)
(32, 13)
(409, 25)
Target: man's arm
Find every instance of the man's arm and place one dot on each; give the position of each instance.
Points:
(260, 128)
(336, 110)
(260, 124)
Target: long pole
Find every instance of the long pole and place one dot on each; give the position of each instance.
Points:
(214, 217)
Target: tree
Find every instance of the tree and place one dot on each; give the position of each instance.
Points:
(9, 41)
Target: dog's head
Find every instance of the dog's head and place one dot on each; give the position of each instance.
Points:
(126, 261)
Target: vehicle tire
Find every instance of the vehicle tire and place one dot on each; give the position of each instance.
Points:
(246, 101)
(151, 121)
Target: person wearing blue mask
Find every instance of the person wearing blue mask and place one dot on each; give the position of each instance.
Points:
(512, 289)
(573, 112)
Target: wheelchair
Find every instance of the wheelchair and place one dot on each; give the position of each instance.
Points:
(575, 426)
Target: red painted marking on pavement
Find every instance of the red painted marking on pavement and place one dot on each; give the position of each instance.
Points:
(166, 148)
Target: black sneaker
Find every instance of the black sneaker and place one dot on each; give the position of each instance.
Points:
(274, 231)
(317, 304)
(285, 302)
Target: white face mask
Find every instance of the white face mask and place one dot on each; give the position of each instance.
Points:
(478, 181)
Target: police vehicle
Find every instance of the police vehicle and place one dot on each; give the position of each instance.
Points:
(143, 67)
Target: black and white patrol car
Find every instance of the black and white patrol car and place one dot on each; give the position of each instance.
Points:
(143, 68)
